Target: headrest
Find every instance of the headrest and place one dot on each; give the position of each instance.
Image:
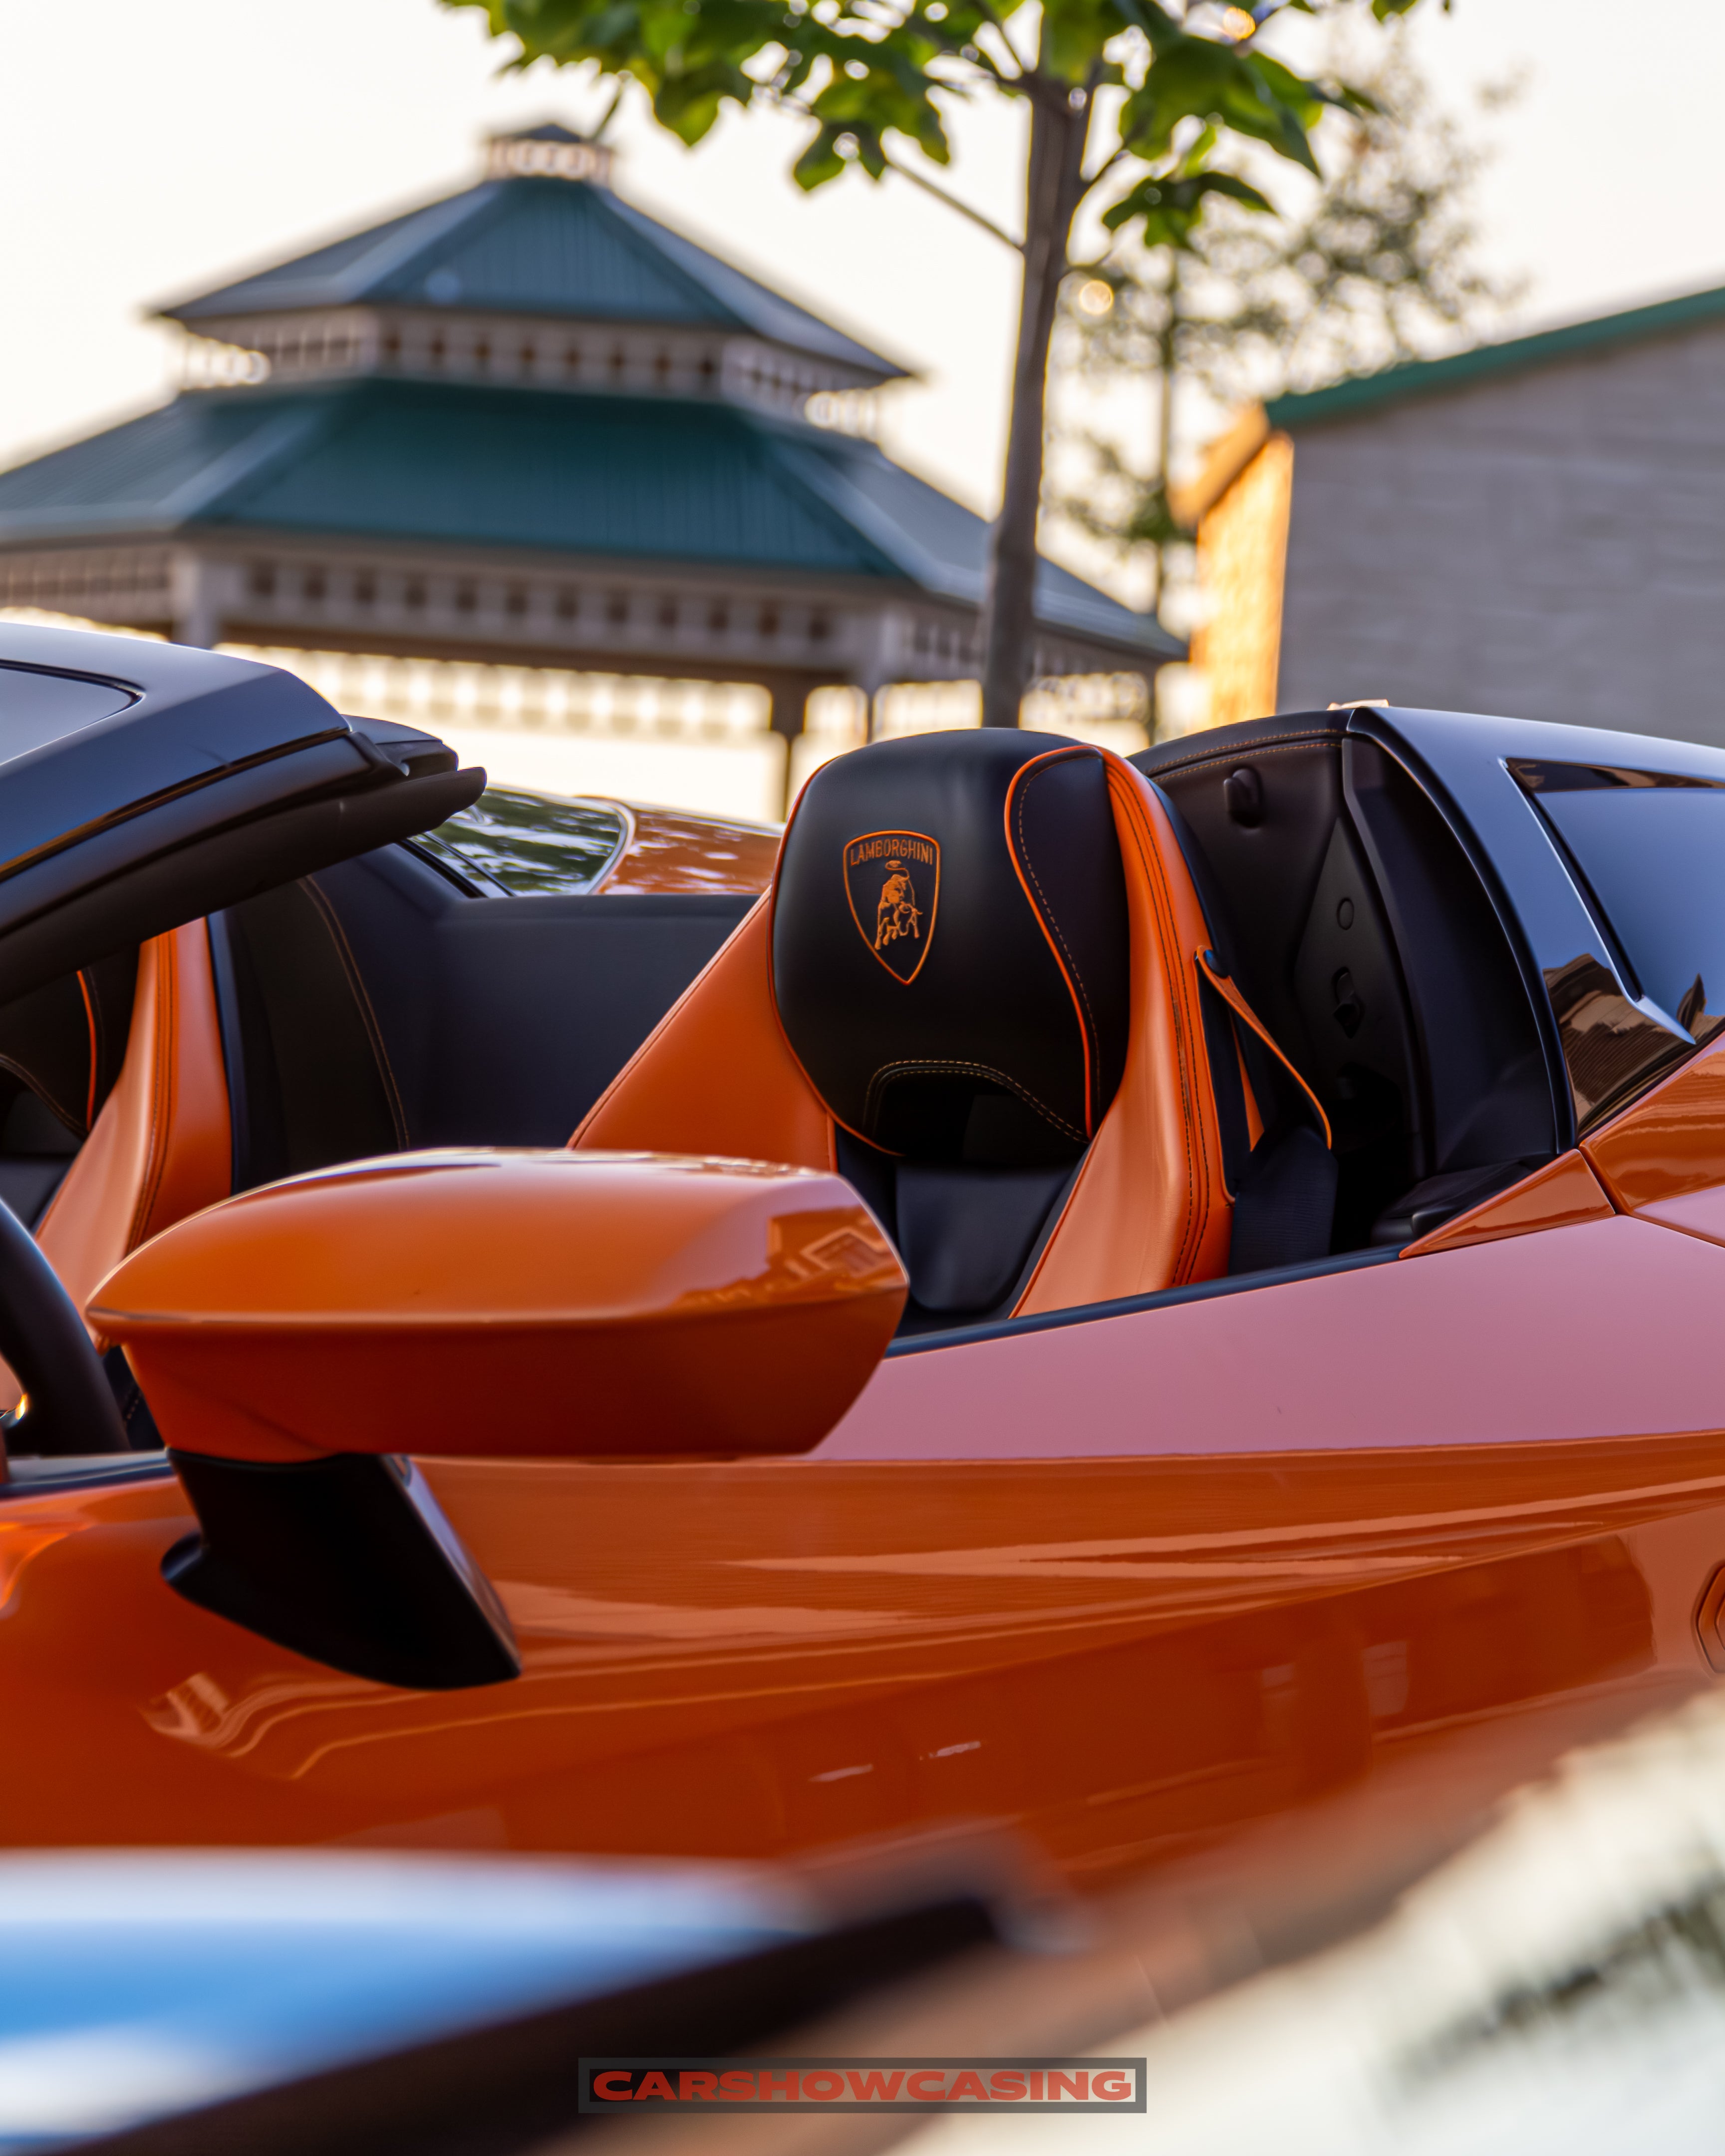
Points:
(950, 946)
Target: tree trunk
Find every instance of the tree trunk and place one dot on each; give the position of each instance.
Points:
(1053, 190)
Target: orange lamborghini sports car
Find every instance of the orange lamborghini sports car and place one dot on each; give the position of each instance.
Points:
(1116, 1296)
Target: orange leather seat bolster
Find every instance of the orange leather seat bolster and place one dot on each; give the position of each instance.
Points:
(162, 1146)
(1150, 1208)
(717, 1074)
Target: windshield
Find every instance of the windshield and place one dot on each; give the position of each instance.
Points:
(530, 845)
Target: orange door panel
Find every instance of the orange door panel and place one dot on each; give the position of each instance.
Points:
(1466, 1505)
(739, 1660)
(1586, 1330)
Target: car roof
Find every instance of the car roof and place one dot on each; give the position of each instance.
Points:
(142, 784)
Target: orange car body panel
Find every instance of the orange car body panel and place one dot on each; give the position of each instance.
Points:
(1131, 1584)
(1669, 1142)
(1120, 1658)
(668, 850)
(1560, 1195)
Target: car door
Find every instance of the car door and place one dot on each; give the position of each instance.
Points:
(1128, 1577)
(1125, 1580)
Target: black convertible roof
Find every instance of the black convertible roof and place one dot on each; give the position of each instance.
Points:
(143, 784)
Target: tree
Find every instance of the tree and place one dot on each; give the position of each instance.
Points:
(1132, 98)
(1380, 268)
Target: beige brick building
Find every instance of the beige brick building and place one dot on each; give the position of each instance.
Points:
(1535, 527)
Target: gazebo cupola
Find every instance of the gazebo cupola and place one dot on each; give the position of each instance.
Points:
(572, 290)
(529, 425)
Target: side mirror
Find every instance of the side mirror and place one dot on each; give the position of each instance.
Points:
(296, 1342)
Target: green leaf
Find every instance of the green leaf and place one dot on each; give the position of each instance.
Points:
(1198, 78)
(821, 162)
(1167, 211)
(694, 57)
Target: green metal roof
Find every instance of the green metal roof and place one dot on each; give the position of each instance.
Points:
(648, 480)
(1437, 377)
(557, 247)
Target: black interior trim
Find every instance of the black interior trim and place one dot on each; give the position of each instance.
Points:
(1222, 1046)
(1369, 725)
(316, 1085)
(503, 1020)
(207, 871)
(1087, 1313)
(363, 1003)
(224, 972)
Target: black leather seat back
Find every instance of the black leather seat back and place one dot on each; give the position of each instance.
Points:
(951, 967)
(950, 946)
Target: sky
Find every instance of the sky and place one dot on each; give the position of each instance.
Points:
(150, 147)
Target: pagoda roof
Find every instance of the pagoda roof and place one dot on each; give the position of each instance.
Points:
(567, 249)
(648, 480)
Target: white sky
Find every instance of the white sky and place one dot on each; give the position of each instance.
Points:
(148, 150)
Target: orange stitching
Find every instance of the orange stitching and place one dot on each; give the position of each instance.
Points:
(1271, 745)
(90, 1019)
(953, 1068)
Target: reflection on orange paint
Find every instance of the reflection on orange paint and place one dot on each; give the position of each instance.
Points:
(1423, 1515)
(1562, 1194)
(1695, 1213)
(1128, 1658)
(673, 852)
(1670, 1141)
(21, 1541)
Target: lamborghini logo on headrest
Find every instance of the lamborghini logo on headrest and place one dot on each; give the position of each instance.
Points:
(892, 880)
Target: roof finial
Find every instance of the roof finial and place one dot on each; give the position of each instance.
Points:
(551, 151)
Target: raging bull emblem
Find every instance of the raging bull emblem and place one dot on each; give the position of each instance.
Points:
(898, 913)
(892, 880)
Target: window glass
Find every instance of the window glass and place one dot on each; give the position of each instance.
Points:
(532, 844)
(1653, 854)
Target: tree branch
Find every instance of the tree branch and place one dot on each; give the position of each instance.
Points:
(933, 188)
(916, 179)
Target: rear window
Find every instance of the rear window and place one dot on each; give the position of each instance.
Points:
(524, 845)
(1651, 848)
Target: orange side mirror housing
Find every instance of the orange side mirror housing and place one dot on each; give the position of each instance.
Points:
(511, 1304)
(296, 1343)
